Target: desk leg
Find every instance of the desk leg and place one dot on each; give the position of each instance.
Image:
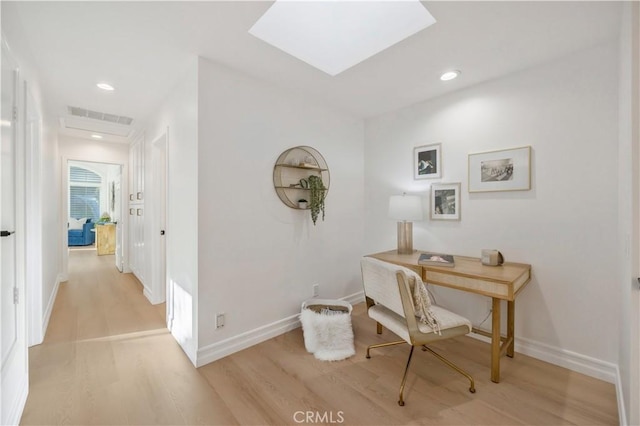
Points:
(495, 341)
(511, 314)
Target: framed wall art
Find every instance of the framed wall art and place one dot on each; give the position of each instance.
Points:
(502, 170)
(445, 201)
(427, 161)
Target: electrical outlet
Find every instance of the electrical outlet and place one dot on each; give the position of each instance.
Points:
(220, 320)
(316, 290)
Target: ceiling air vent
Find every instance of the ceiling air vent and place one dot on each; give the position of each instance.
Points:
(85, 120)
(103, 116)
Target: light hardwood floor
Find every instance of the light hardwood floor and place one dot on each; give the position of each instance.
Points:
(108, 359)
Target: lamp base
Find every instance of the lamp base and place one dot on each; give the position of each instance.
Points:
(405, 237)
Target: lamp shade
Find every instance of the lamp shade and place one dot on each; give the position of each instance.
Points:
(405, 207)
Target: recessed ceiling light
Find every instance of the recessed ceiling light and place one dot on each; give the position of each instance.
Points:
(105, 86)
(449, 75)
(336, 35)
(96, 136)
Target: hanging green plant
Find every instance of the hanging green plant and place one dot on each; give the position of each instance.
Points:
(317, 192)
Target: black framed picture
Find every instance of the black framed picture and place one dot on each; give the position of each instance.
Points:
(445, 201)
(427, 161)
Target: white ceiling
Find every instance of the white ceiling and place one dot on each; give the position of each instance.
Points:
(143, 47)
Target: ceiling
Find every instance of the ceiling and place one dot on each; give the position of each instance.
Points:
(143, 48)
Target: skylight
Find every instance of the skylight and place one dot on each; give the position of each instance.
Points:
(334, 35)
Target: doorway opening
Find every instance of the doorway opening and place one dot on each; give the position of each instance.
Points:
(92, 192)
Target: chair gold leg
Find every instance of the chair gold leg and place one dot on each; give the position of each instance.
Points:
(404, 378)
(472, 387)
(382, 345)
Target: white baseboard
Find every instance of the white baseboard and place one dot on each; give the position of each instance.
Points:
(185, 345)
(52, 300)
(16, 410)
(242, 341)
(145, 290)
(354, 298)
(622, 413)
(147, 293)
(563, 358)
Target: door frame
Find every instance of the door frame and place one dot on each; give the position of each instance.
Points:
(16, 375)
(37, 324)
(65, 209)
(633, 416)
(158, 221)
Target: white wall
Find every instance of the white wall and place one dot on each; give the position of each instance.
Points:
(41, 250)
(42, 194)
(179, 115)
(258, 258)
(86, 150)
(52, 236)
(628, 216)
(80, 149)
(565, 226)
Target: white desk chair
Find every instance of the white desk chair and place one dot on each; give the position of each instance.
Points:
(390, 293)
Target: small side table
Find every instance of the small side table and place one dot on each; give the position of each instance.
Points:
(105, 238)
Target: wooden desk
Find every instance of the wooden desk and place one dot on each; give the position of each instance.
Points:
(498, 282)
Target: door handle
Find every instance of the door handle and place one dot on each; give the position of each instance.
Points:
(6, 233)
(162, 232)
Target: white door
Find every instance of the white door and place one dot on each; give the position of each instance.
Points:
(159, 222)
(13, 342)
(33, 217)
(633, 415)
(116, 207)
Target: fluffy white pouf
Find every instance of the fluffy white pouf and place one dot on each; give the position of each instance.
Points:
(328, 337)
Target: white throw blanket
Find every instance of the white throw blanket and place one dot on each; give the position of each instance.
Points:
(422, 306)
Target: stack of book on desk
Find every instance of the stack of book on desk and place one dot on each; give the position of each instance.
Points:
(436, 259)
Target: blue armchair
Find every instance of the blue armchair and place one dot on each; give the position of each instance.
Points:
(84, 236)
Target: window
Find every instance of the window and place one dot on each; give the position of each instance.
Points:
(84, 193)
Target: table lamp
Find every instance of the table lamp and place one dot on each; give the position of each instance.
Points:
(405, 208)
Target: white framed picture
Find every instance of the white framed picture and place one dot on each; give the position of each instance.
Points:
(427, 161)
(502, 170)
(445, 201)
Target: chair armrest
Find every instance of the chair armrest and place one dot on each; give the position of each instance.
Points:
(404, 287)
(87, 227)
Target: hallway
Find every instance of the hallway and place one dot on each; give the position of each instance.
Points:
(102, 355)
(107, 358)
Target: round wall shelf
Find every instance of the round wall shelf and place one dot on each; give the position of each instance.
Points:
(291, 171)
